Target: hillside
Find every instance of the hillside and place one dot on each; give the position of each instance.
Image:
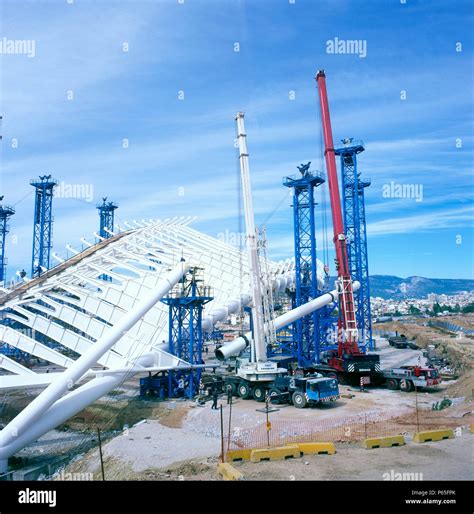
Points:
(387, 286)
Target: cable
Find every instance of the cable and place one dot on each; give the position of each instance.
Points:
(275, 210)
(24, 198)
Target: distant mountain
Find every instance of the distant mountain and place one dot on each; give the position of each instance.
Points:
(388, 286)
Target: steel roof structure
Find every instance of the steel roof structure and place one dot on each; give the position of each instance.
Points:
(97, 317)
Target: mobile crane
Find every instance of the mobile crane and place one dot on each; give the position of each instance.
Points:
(347, 361)
(259, 370)
(257, 375)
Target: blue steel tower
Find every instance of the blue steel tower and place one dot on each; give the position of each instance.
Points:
(186, 303)
(306, 331)
(353, 187)
(106, 213)
(43, 224)
(5, 213)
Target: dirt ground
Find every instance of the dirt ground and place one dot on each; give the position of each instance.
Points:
(178, 440)
(190, 449)
(442, 460)
(458, 349)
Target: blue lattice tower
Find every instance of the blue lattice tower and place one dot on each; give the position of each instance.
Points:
(306, 334)
(43, 224)
(106, 214)
(5, 213)
(353, 187)
(186, 302)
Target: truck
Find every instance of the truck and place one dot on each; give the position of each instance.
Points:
(401, 341)
(365, 365)
(398, 341)
(304, 391)
(300, 391)
(406, 378)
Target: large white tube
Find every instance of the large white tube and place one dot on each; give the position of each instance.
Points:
(70, 405)
(67, 407)
(232, 306)
(238, 345)
(68, 378)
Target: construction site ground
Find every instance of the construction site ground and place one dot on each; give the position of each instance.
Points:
(145, 439)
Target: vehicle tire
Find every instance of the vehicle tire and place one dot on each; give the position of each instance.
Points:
(332, 374)
(244, 391)
(258, 393)
(274, 395)
(342, 379)
(406, 386)
(231, 387)
(299, 400)
(392, 384)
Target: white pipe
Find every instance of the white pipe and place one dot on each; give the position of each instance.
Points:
(232, 306)
(62, 410)
(238, 345)
(68, 378)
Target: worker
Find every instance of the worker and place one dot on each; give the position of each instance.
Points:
(229, 395)
(214, 399)
(202, 390)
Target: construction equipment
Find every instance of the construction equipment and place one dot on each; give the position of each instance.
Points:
(258, 368)
(309, 332)
(304, 391)
(353, 200)
(406, 378)
(256, 375)
(348, 357)
(43, 224)
(5, 213)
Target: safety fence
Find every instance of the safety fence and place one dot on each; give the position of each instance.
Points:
(347, 429)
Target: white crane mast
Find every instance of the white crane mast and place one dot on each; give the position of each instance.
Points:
(259, 346)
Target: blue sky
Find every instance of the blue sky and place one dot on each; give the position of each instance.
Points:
(181, 158)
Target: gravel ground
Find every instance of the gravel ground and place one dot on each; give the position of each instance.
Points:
(153, 445)
(442, 460)
(183, 434)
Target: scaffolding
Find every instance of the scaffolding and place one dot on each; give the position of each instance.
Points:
(5, 213)
(186, 302)
(353, 187)
(42, 225)
(305, 343)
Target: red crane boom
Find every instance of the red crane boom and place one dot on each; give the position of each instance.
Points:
(347, 333)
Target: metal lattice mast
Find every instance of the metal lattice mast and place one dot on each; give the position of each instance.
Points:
(306, 333)
(186, 303)
(5, 213)
(106, 214)
(43, 224)
(353, 187)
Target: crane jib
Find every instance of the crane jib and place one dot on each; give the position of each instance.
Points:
(348, 333)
